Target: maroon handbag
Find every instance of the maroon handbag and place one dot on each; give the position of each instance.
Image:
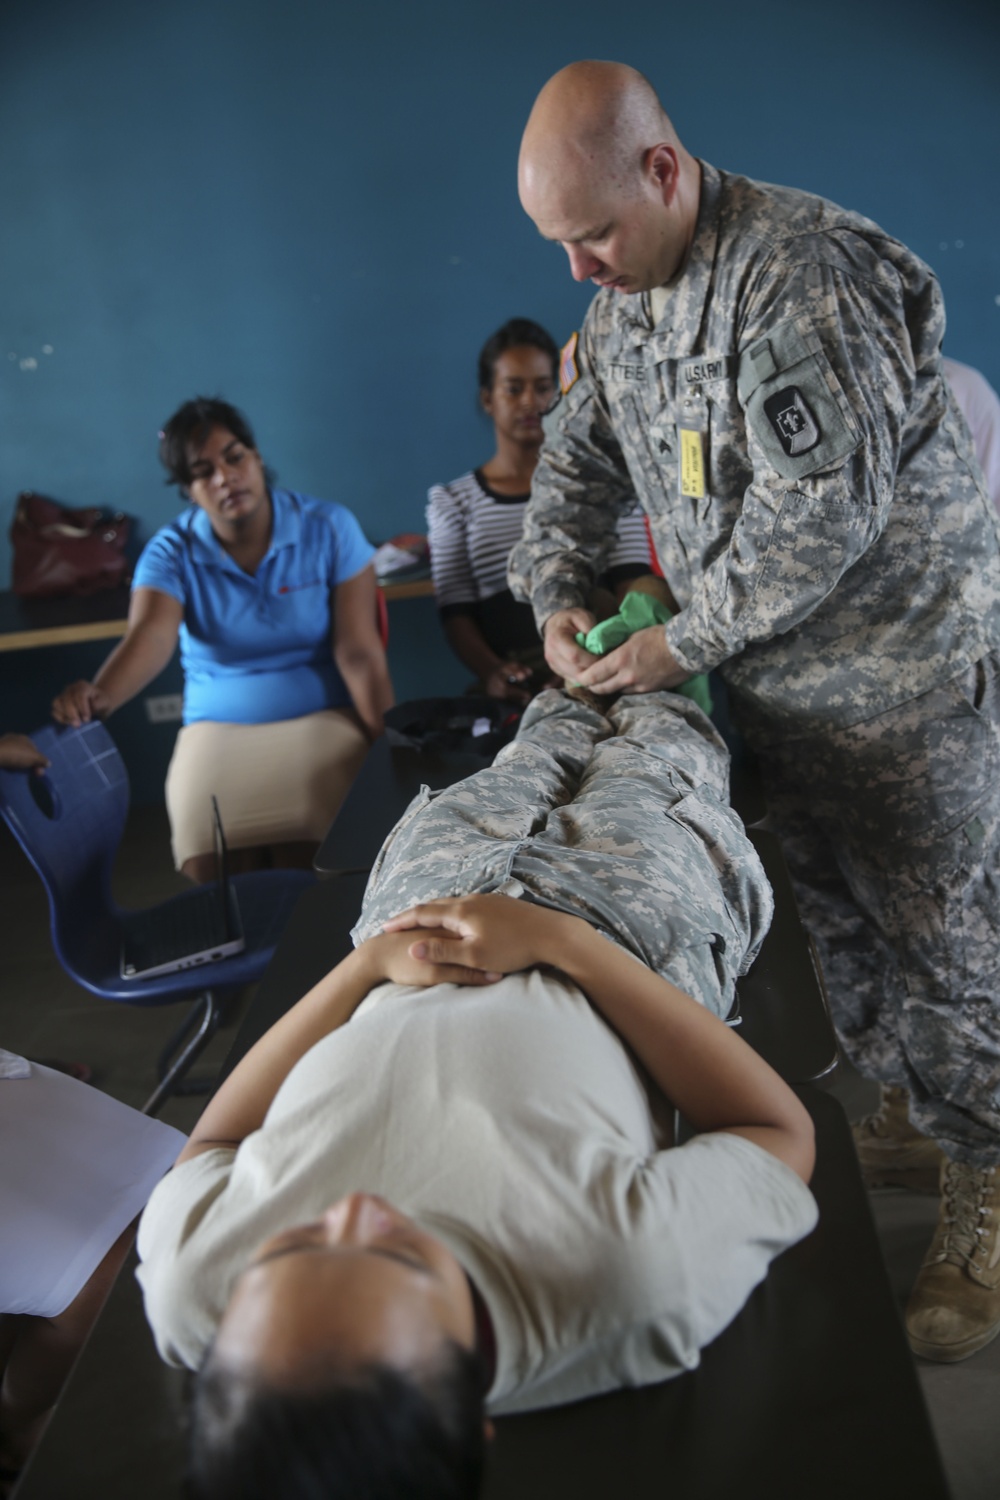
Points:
(58, 551)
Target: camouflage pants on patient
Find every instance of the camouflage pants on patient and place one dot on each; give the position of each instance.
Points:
(621, 819)
(891, 829)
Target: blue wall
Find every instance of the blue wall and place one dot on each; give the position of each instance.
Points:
(311, 208)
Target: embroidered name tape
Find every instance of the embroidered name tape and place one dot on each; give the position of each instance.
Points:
(619, 370)
(706, 368)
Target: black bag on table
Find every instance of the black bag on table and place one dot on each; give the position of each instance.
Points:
(472, 724)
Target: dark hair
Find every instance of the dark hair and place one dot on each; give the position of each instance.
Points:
(514, 334)
(361, 1434)
(188, 428)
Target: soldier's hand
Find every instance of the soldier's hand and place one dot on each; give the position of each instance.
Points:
(642, 665)
(562, 653)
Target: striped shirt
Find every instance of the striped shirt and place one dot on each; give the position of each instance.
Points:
(472, 529)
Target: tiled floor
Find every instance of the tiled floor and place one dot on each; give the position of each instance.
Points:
(44, 1015)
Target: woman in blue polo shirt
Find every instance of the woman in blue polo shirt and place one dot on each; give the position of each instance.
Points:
(272, 595)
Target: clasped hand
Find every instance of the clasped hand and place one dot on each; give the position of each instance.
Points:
(477, 939)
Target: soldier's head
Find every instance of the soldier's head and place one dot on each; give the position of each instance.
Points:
(345, 1364)
(603, 174)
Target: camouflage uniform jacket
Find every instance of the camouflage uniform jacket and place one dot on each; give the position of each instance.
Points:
(811, 488)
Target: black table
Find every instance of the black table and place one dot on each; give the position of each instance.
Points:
(782, 1003)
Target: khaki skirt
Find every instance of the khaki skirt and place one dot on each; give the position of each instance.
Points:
(275, 783)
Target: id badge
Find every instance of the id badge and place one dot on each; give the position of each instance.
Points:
(692, 465)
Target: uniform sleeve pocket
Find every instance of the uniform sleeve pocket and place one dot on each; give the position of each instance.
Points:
(790, 394)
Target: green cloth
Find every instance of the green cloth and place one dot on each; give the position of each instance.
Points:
(639, 612)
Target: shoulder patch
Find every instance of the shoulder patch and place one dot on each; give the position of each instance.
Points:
(569, 374)
(789, 391)
(792, 418)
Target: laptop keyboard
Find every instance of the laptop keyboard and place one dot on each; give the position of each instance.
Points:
(189, 927)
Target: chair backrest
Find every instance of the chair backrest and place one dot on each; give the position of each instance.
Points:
(69, 822)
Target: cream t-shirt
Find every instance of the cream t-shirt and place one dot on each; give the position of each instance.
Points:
(511, 1122)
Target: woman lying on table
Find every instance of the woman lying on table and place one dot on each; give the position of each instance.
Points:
(474, 522)
(272, 594)
(445, 1183)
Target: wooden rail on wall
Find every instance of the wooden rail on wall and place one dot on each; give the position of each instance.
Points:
(62, 622)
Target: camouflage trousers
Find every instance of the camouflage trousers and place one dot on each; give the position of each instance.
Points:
(622, 820)
(891, 829)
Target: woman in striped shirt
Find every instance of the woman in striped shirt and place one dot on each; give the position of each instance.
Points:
(474, 521)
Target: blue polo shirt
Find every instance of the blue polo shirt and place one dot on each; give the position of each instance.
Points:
(255, 650)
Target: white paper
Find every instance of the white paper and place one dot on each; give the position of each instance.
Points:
(76, 1167)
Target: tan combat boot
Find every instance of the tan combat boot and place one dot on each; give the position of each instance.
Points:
(954, 1308)
(891, 1152)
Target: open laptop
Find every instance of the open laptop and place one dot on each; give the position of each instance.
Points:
(196, 928)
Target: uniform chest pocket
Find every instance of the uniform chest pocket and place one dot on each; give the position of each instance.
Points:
(642, 416)
(703, 428)
(694, 446)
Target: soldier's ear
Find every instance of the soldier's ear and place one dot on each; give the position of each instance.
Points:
(486, 400)
(662, 168)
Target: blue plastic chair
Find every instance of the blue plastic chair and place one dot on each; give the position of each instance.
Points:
(69, 822)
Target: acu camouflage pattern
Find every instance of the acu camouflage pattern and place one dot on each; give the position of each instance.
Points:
(845, 593)
(622, 820)
(826, 586)
(891, 830)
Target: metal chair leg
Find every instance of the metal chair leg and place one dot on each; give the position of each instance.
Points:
(184, 1048)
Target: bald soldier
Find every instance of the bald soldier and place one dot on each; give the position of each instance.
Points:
(761, 369)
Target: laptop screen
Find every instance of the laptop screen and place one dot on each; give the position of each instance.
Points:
(221, 868)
